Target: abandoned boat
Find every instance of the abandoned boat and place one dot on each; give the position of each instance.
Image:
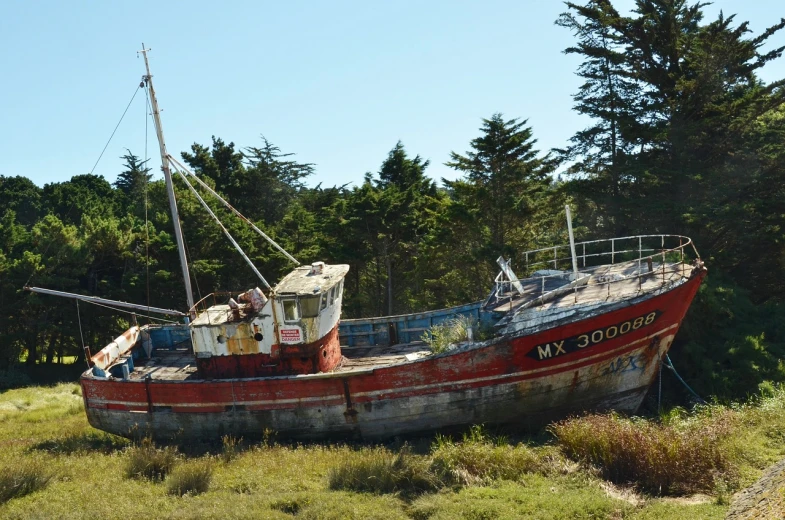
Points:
(279, 359)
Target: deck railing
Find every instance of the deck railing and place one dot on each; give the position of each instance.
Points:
(643, 250)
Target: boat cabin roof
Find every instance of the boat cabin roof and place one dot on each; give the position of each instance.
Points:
(310, 280)
(221, 314)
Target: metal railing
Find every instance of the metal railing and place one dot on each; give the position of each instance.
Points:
(637, 250)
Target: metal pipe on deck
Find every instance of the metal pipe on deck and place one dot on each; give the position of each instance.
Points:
(103, 301)
(572, 241)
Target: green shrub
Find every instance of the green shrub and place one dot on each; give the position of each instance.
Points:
(147, 461)
(22, 477)
(478, 459)
(440, 338)
(190, 478)
(379, 471)
(676, 457)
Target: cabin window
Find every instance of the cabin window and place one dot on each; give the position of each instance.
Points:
(332, 295)
(324, 301)
(338, 290)
(309, 305)
(290, 310)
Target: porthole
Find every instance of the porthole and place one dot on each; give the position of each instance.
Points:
(221, 338)
(258, 336)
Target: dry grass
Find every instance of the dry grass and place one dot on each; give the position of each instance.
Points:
(380, 471)
(276, 481)
(21, 477)
(147, 461)
(230, 448)
(678, 457)
(479, 459)
(190, 478)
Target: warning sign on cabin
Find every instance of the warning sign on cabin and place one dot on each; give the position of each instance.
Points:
(291, 335)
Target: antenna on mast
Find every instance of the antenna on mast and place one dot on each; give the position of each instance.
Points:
(178, 232)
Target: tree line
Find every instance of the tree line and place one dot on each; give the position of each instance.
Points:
(684, 138)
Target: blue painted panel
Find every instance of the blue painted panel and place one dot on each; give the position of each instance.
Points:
(409, 327)
(170, 337)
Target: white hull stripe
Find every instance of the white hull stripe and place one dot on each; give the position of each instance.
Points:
(375, 393)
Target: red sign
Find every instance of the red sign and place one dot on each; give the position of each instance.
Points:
(291, 335)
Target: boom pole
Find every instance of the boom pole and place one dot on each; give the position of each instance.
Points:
(178, 232)
(104, 301)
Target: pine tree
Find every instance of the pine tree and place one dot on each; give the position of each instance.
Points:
(506, 179)
(133, 181)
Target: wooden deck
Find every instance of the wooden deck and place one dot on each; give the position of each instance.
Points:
(359, 358)
(596, 285)
(167, 365)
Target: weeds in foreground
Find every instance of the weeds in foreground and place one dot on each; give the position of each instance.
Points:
(476, 459)
(441, 338)
(147, 461)
(379, 471)
(230, 448)
(190, 478)
(672, 458)
(479, 458)
(23, 477)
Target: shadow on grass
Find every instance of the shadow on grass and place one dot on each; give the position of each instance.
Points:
(88, 442)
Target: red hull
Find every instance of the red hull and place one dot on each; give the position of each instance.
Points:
(607, 361)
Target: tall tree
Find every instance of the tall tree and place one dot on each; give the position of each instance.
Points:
(22, 196)
(272, 180)
(133, 181)
(507, 180)
(609, 95)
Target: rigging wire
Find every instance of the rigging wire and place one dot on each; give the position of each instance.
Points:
(73, 204)
(79, 319)
(223, 228)
(116, 127)
(193, 269)
(146, 225)
(149, 115)
(132, 313)
(231, 208)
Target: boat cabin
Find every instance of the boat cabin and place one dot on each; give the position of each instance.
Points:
(293, 331)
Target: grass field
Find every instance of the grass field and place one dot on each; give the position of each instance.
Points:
(54, 465)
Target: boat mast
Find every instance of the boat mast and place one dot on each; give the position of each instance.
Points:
(178, 232)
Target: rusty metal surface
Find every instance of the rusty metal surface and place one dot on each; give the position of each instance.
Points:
(501, 382)
(119, 347)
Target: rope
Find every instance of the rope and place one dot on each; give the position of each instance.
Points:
(115, 128)
(223, 228)
(231, 208)
(669, 364)
(79, 319)
(73, 204)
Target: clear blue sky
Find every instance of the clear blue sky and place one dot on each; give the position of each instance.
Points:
(337, 83)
